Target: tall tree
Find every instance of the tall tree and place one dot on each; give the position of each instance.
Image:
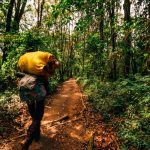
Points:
(39, 6)
(101, 22)
(111, 10)
(19, 10)
(12, 23)
(147, 36)
(127, 36)
(9, 15)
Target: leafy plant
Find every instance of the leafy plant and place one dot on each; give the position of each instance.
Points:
(128, 99)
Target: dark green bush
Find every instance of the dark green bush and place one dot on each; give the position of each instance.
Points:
(129, 99)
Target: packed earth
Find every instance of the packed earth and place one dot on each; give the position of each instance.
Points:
(69, 123)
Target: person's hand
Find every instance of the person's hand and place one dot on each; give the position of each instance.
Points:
(56, 64)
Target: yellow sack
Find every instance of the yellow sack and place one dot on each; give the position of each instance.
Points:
(34, 62)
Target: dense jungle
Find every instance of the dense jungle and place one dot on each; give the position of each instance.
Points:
(100, 95)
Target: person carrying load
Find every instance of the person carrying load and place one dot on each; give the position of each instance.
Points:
(35, 69)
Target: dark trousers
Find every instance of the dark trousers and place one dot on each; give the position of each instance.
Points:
(36, 110)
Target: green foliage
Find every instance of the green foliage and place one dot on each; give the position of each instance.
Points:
(126, 98)
(36, 39)
(10, 66)
(9, 104)
(18, 44)
(15, 47)
(3, 12)
(32, 41)
(53, 83)
(90, 51)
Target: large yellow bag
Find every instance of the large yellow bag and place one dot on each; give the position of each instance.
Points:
(34, 62)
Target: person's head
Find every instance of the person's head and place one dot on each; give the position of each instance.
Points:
(51, 66)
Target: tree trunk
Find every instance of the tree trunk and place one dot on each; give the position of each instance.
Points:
(13, 26)
(101, 24)
(101, 33)
(113, 73)
(148, 37)
(9, 15)
(39, 10)
(8, 27)
(127, 37)
(18, 14)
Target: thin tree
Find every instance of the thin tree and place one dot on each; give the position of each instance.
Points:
(12, 24)
(39, 9)
(111, 11)
(19, 10)
(9, 15)
(127, 37)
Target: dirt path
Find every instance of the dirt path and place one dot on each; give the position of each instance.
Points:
(70, 123)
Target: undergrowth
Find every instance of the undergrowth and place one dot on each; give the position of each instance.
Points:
(128, 99)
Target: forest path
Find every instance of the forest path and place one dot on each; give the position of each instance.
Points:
(69, 123)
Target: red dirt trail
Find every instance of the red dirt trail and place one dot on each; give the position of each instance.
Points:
(69, 123)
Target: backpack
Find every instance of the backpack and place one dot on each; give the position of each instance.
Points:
(31, 89)
(34, 62)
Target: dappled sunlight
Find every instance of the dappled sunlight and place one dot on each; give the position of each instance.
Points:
(75, 135)
(69, 122)
(64, 96)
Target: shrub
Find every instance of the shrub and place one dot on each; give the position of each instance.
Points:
(127, 98)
